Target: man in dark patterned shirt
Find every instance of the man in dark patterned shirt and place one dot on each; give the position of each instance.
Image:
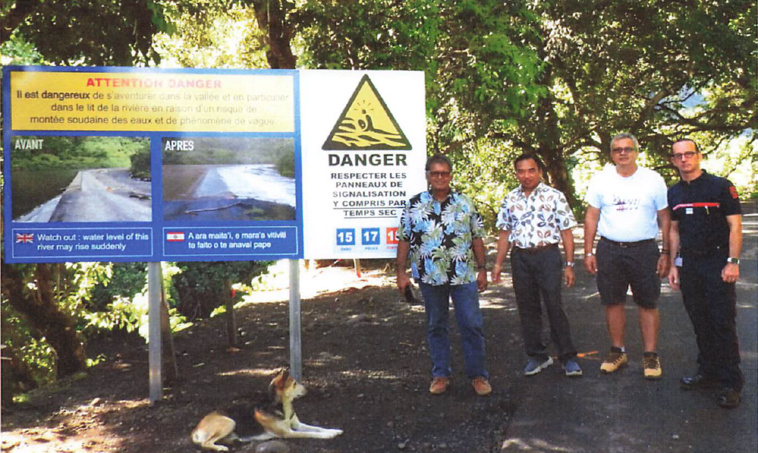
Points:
(442, 233)
(534, 218)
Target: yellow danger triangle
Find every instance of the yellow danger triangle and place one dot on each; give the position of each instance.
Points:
(366, 124)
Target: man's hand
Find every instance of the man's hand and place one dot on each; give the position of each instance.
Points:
(495, 274)
(568, 276)
(730, 273)
(674, 277)
(402, 281)
(664, 263)
(481, 280)
(590, 263)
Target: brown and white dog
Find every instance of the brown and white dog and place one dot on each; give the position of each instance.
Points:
(248, 422)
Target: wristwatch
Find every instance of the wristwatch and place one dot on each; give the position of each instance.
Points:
(569, 264)
(731, 260)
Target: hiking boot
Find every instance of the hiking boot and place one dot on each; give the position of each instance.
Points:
(652, 366)
(439, 385)
(534, 366)
(613, 361)
(572, 368)
(698, 381)
(729, 398)
(481, 386)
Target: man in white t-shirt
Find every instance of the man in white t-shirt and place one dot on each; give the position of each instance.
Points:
(627, 205)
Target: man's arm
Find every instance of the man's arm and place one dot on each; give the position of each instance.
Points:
(567, 237)
(477, 245)
(400, 265)
(503, 244)
(591, 219)
(664, 261)
(731, 272)
(674, 250)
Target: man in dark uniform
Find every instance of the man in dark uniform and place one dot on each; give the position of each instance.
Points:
(706, 229)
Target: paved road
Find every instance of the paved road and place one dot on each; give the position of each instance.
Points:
(623, 413)
(98, 195)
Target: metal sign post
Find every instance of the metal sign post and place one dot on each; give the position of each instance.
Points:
(154, 284)
(296, 353)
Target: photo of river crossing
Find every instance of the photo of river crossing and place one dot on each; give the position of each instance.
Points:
(228, 179)
(79, 179)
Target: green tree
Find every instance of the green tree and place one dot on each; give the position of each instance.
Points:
(655, 68)
(62, 31)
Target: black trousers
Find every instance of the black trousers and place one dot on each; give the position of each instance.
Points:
(711, 305)
(540, 276)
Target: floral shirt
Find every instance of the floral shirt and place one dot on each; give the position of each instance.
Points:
(537, 220)
(440, 236)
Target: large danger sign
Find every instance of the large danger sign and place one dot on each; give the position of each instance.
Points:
(364, 151)
(134, 164)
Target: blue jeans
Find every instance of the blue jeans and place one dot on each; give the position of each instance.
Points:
(468, 316)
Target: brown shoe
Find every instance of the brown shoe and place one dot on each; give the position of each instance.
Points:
(481, 386)
(439, 385)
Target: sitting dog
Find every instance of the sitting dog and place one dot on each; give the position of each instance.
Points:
(247, 422)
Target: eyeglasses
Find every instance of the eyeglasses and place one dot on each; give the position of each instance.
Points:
(439, 174)
(684, 155)
(626, 150)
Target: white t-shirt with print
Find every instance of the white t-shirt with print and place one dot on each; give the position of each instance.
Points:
(628, 205)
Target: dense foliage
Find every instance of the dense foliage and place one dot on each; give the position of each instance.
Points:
(554, 77)
(77, 152)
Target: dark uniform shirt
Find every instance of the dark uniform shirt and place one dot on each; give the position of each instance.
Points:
(701, 207)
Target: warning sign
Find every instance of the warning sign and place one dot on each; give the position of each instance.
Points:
(366, 124)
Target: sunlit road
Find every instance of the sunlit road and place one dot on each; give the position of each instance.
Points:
(622, 412)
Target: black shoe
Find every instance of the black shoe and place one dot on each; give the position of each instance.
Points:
(697, 381)
(729, 398)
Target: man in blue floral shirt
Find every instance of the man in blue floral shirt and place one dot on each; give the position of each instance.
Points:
(534, 218)
(442, 233)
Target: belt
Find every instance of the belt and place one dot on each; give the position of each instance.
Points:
(624, 245)
(537, 249)
(702, 252)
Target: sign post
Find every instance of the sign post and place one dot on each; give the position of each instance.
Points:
(296, 351)
(154, 289)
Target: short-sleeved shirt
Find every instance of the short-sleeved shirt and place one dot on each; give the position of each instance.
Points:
(701, 207)
(440, 235)
(536, 220)
(628, 205)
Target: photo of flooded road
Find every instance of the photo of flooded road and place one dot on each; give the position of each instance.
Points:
(79, 179)
(228, 179)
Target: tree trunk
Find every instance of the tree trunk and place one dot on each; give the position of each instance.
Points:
(550, 148)
(555, 166)
(231, 322)
(271, 16)
(44, 314)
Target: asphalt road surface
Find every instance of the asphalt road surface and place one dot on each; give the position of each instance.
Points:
(98, 195)
(622, 412)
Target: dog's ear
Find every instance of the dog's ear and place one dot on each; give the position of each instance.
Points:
(280, 380)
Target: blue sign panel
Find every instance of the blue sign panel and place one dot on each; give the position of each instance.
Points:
(127, 164)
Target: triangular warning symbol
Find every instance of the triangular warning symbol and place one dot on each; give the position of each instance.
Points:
(366, 124)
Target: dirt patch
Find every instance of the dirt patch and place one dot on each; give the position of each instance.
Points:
(365, 364)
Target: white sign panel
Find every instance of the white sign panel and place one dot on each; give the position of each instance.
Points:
(363, 153)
